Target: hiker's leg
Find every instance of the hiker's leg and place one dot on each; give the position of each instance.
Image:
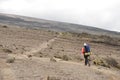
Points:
(88, 60)
(85, 59)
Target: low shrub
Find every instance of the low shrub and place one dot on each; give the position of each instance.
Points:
(52, 59)
(51, 48)
(38, 54)
(106, 62)
(52, 78)
(5, 26)
(101, 62)
(65, 57)
(10, 60)
(78, 58)
(29, 55)
(112, 62)
(7, 50)
(57, 56)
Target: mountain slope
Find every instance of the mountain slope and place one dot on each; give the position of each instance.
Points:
(40, 55)
(52, 25)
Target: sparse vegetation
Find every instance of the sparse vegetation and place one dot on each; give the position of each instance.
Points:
(1, 45)
(10, 59)
(39, 54)
(29, 55)
(66, 46)
(52, 59)
(108, 42)
(77, 58)
(112, 62)
(101, 62)
(106, 62)
(52, 78)
(5, 26)
(83, 34)
(99, 73)
(57, 55)
(51, 47)
(66, 35)
(7, 50)
(104, 39)
(65, 57)
(63, 50)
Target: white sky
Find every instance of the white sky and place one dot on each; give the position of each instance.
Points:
(99, 13)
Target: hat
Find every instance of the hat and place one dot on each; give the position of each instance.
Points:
(85, 44)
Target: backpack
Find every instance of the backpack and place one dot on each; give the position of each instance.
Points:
(87, 48)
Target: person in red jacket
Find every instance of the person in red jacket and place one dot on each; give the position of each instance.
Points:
(86, 52)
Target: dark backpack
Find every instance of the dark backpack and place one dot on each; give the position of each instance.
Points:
(87, 48)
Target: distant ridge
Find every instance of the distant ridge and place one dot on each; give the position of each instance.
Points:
(30, 22)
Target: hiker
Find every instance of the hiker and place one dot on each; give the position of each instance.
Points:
(86, 53)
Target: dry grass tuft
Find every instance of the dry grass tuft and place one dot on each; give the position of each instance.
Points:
(29, 55)
(7, 50)
(51, 47)
(103, 39)
(77, 57)
(39, 54)
(100, 62)
(52, 59)
(5, 26)
(52, 78)
(106, 62)
(57, 56)
(112, 62)
(10, 60)
(65, 57)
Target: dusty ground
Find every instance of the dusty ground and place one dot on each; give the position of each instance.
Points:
(33, 50)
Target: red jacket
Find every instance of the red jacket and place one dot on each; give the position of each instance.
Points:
(83, 50)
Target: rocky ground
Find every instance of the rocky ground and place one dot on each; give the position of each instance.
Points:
(36, 54)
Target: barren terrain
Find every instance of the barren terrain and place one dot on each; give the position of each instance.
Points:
(37, 54)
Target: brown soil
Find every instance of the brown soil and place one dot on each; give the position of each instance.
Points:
(34, 48)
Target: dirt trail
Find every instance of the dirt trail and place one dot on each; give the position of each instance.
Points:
(7, 72)
(34, 50)
(41, 47)
(69, 66)
(106, 71)
(112, 74)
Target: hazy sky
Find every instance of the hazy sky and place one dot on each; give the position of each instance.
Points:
(99, 13)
